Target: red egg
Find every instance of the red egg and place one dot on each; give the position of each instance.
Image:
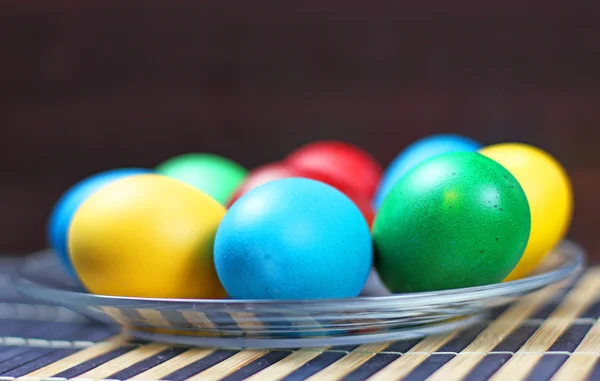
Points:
(349, 166)
(263, 175)
(275, 171)
(363, 203)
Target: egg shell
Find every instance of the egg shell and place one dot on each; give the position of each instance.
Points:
(275, 171)
(262, 175)
(456, 220)
(64, 209)
(352, 169)
(418, 152)
(214, 175)
(550, 195)
(147, 236)
(293, 238)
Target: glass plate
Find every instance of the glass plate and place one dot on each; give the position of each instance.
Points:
(290, 324)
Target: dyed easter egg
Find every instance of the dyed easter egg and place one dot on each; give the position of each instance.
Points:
(214, 175)
(351, 168)
(262, 175)
(69, 202)
(293, 239)
(418, 152)
(276, 171)
(456, 220)
(550, 197)
(147, 236)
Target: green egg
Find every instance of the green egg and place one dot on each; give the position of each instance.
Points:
(456, 220)
(214, 175)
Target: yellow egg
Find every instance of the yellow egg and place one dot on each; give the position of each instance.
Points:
(548, 190)
(147, 236)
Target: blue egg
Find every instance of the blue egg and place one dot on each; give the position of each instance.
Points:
(69, 202)
(293, 238)
(416, 153)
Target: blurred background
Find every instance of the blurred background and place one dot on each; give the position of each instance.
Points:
(88, 86)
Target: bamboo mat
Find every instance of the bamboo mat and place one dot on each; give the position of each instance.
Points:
(550, 335)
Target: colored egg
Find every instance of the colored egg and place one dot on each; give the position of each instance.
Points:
(456, 220)
(262, 175)
(65, 207)
(349, 166)
(418, 152)
(214, 175)
(276, 171)
(293, 239)
(550, 197)
(365, 207)
(147, 236)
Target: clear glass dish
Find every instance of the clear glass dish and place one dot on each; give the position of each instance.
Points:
(291, 324)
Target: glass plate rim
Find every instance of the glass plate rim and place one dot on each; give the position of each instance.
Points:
(573, 265)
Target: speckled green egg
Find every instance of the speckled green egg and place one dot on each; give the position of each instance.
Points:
(457, 220)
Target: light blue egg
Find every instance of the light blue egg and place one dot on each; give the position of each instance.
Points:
(293, 238)
(416, 153)
(69, 202)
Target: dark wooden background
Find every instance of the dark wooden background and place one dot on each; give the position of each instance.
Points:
(87, 86)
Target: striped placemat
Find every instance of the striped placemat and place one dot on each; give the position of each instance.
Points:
(551, 335)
